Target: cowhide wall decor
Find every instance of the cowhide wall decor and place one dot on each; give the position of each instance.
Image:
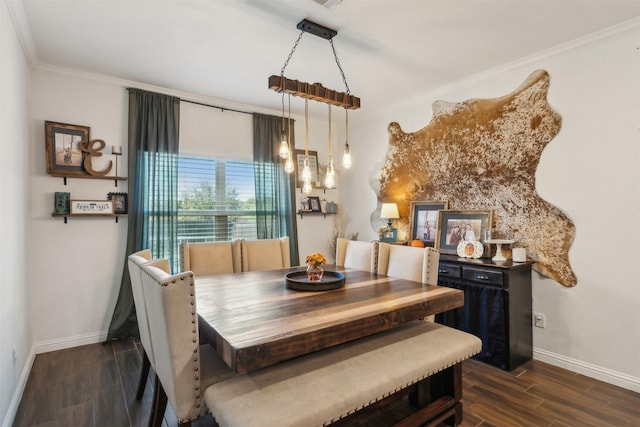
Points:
(482, 154)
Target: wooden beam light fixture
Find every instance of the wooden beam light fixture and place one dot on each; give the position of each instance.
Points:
(316, 92)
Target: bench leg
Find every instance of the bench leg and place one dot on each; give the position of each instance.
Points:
(437, 399)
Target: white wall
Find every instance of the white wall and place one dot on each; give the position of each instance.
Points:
(15, 322)
(79, 264)
(590, 171)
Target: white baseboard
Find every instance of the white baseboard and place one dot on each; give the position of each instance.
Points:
(10, 416)
(44, 347)
(587, 369)
(69, 342)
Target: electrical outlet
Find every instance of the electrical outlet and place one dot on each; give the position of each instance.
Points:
(538, 320)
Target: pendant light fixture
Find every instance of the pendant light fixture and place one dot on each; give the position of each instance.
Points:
(346, 155)
(284, 145)
(330, 175)
(318, 93)
(306, 170)
(288, 164)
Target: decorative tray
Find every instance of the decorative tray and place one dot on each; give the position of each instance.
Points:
(298, 281)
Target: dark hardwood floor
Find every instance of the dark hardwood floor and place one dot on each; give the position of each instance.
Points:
(94, 385)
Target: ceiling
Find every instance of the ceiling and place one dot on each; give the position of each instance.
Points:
(226, 49)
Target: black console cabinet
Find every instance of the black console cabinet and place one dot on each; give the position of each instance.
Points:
(497, 307)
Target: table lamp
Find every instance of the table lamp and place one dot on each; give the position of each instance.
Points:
(389, 211)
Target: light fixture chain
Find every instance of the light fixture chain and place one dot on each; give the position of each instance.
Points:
(335, 55)
(295, 45)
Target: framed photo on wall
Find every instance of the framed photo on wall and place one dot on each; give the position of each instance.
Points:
(64, 156)
(423, 220)
(313, 165)
(120, 202)
(457, 226)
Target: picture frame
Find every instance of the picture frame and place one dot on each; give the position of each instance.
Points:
(451, 224)
(389, 235)
(313, 165)
(62, 141)
(423, 220)
(91, 207)
(314, 204)
(61, 202)
(120, 202)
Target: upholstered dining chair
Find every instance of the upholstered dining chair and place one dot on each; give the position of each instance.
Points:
(265, 254)
(184, 368)
(408, 262)
(134, 263)
(357, 254)
(210, 258)
(411, 263)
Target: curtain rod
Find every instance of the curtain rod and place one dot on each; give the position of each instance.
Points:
(215, 106)
(209, 105)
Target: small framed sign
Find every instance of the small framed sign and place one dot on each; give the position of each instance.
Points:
(91, 207)
(120, 202)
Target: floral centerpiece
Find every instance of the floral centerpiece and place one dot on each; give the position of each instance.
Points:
(314, 270)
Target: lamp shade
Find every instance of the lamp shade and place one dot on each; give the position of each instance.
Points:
(389, 211)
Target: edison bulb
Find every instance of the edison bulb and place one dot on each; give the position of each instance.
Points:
(346, 157)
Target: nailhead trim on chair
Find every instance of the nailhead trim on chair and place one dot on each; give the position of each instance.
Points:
(203, 409)
(432, 259)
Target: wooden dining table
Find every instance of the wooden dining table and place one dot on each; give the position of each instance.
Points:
(254, 320)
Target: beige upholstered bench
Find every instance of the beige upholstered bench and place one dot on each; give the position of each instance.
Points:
(324, 387)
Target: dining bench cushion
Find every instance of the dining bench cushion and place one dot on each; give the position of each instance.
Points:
(322, 387)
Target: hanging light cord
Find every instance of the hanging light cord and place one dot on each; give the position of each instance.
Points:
(329, 131)
(347, 124)
(306, 128)
(289, 122)
(282, 108)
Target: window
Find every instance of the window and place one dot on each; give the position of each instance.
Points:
(216, 199)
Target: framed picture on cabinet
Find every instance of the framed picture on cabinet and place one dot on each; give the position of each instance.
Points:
(423, 220)
(64, 156)
(457, 226)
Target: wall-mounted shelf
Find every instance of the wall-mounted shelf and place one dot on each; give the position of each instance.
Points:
(324, 189)
(324, 214)
(116, 216)
(65, 176)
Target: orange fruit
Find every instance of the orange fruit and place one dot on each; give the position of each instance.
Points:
(417, 243)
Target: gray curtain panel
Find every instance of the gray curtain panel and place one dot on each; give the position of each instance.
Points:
(275, 189)
(154, 121)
